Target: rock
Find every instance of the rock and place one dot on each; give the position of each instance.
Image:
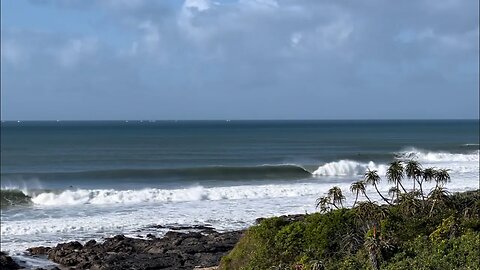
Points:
(90, 243)
(286, 218)
(7, 263)
(176, 250)
(201, 228)
(39, 251)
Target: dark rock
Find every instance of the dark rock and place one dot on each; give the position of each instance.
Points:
(39, 251)
(201, 228)
(90, 243)
(286, 218)
(7, 263)
(176, 250)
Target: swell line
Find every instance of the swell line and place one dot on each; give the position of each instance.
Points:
(200, 173)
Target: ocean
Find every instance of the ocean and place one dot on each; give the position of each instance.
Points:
(97, 179)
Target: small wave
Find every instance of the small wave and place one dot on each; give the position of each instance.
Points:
(11, 197)
(282, 171)
(348, 168)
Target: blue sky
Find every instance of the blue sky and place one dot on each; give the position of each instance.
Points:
(239, 59)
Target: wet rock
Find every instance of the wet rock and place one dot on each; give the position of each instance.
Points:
(200, 228)
(176, 250)
(39, 251)
(286, 218)
(7, 263)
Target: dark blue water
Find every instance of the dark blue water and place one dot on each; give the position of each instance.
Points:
(106, 153)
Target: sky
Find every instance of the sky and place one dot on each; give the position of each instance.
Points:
(239, 59)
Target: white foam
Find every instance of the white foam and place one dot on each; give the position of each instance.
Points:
(429, 157)
(348, 168)
(457, 162)
(154, 195)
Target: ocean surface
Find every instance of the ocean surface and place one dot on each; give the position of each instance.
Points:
(97, 179)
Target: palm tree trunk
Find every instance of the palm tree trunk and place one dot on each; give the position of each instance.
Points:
(400, 183)
(398, 190)
(420, 183)
(385, 199)
(356, 199)
(373, 260)
(365, 194)
(431, 209)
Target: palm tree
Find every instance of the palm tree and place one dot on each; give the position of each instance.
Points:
(413, 170)
(429, 174)
(442, 177)
(439, 195)
(373, 247)
(371, 177)
(356, 188)
(409, 204)
(392, 192)
(368, 215)
(395, 174)
(335, 193)
(323, 203)
(369, 211)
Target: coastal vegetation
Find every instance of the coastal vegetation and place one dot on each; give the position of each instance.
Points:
(409, 229)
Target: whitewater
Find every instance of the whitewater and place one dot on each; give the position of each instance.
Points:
(80, 214)
(90, 180)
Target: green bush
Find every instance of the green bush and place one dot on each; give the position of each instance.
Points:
(450, 239)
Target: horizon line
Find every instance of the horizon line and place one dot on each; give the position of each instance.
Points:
(228, 120)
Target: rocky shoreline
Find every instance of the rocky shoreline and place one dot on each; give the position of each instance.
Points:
(182, 247)
(175, 250)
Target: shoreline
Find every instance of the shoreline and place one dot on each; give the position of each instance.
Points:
(182, 247)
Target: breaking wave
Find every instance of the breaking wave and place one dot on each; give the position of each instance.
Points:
(11, 197)
(429, 157)
(155, 195)
(462, 165)
(348, 168)
(467, 162)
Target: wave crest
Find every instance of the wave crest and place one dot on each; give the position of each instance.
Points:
(11, 197)
(429, 157)
(155, 195)
(348, 168)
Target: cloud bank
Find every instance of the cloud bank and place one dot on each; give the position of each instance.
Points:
(242, 59)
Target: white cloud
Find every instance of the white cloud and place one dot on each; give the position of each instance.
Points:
(199, 5)
(12, 53)
(333, 34)
(189, 11)
(261, 50)
(121, 4)
(295, 39)
(260, 4)
(151, 37)
(76, 49)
